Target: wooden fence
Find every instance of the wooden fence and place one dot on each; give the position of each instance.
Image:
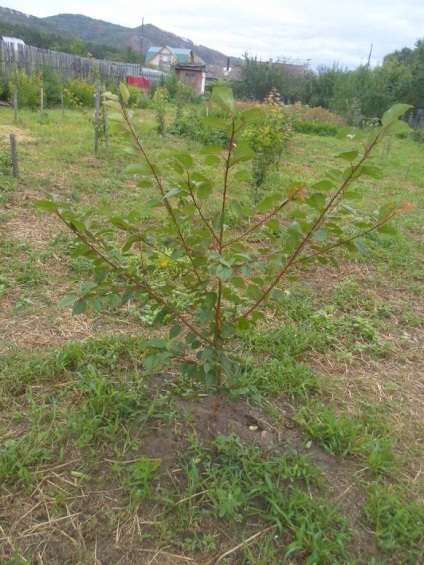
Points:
(32, 59)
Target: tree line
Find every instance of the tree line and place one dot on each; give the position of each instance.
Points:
(357, 94)
(362, 93)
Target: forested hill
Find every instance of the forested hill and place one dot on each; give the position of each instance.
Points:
(101, 38)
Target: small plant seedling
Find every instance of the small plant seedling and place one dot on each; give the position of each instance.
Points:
(230, 259)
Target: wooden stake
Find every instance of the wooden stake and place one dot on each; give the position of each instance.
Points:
(14, 155)
(15, 103)
(96, 120)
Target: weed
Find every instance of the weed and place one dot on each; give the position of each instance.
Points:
(20, 457)
(137, 477)
(398, 522)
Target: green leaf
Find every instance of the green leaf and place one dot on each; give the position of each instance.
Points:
(352, 195)
(359, 245)
(223, 273)
(178, 168)
(348, 155)
(394, 113)
(348, 208)
(278, 295)
(367, 170)
(323, 185)
(112, 300)
(273, 225)
(236, 208)
(212, 160)
(125, 93)
(243, 175)
(269, 202)
(153, 203)
(46, 205)
(175, 331)
(120, 223)
(238, 282)
(134, 217)
(321, 235)
(185, 159)
(243, 325)
(113, 104)
(210, 300)
(204, 190)
(175, 192)
(397, 128)
(223, 96)
(317, 201)
(80, 306)
(136, 168)
(78, 226)
(334, 261)
(253, 115)
(253, 291)
(67, 301)
(388, 229)
(213, 122)
(242, 151)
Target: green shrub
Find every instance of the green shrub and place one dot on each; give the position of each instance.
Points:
(5, 93)
(315, 128)
(231, 259)
(138, 98)
(188, 124)
(79, 92)
(268, 138)
(52, 86)
(304, 113)
(29, 88)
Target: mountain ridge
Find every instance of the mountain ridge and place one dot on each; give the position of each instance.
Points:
(112, 35)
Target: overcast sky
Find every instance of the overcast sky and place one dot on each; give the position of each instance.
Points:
(322, 32)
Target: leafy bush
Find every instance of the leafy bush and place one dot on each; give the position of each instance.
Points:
(315, 128)
(230, 259)
(52, 87)
(188, 123)
(268, 138)
(304, 113)
(5, 93)
(29, 88)
(79, 92)
(138, 98)
(180, 91)
(160, 98)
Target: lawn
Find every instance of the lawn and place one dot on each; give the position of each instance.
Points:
(314, 455)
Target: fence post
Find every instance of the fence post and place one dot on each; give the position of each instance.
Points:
(96, 120)
(105, 122)
(41, 101)
(15, 102)
(14, 155)
(62, 102)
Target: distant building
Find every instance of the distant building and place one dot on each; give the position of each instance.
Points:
(167, 57)
(217, 72)
(15, 41)
(194, 75)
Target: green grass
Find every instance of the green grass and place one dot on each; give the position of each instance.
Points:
(312, 453)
